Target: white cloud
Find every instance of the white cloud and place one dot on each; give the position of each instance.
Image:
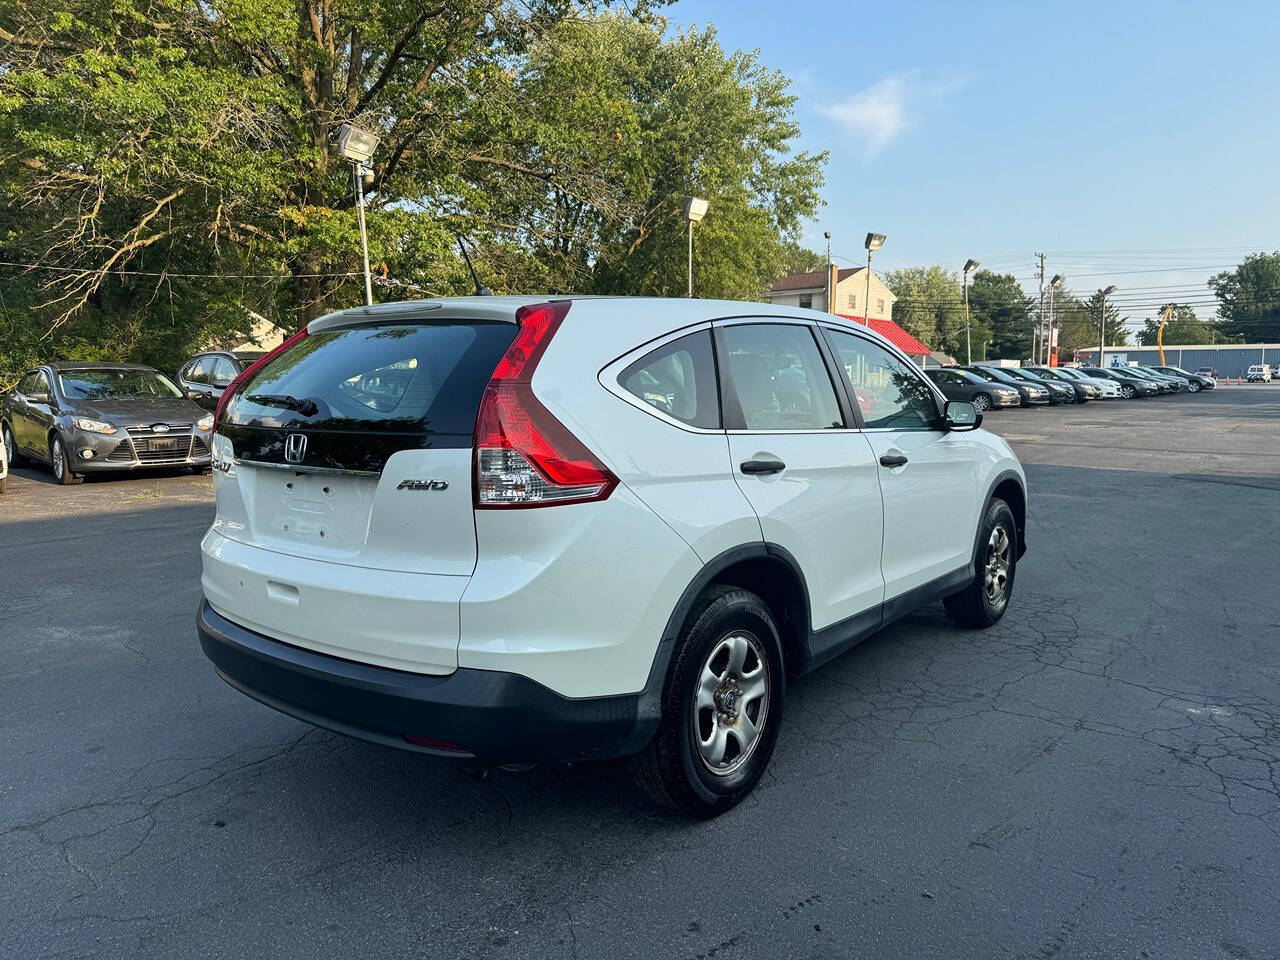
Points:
(882, 111)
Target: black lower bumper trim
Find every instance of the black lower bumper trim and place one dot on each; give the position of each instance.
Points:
(492, 716)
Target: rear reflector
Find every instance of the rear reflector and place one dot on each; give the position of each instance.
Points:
(433, 744)
(524, 456)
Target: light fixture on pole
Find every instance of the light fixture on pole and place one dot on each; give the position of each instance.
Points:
(357, 145)
(970, 266)
(1102, 326)
(1054, 284)
(827, 283)
(874, 242)
(695, 208)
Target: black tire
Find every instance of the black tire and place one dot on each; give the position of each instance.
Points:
(7, 438)
(671, 769)
(1128, 392)
(974, 606)
(982, 402)
(60, 463)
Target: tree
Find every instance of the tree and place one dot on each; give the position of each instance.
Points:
(929, 306)
(1249, 299)
(1183, 327)
(634, 120)
(800, 259)
(1001, 316)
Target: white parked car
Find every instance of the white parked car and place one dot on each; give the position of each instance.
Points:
(1107, 389)
(515, 530)
(1259, 373)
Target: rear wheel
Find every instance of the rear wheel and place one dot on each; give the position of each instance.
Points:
(986, 598)
(62, 471)
(982, 402)
(721, 707)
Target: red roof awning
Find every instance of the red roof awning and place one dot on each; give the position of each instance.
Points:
(893, 333)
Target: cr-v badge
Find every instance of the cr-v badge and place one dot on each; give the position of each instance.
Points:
(423, 485)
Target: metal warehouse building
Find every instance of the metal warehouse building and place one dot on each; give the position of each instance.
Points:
(1229, 359)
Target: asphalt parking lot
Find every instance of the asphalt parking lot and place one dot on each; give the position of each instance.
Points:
(1096, 776)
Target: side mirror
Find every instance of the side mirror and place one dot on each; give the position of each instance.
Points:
(962, 415)
(221, 384)
(39, 398)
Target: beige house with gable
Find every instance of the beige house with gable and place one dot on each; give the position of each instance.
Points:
(850, 285)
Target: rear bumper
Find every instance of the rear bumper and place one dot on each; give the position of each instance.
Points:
(492, 716)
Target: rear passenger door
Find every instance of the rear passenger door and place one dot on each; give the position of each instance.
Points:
(797, 456)
(930, 478)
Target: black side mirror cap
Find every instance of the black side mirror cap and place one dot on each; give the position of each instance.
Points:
(961, 415)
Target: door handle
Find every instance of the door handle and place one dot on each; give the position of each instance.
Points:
(893, 460)
(762, 466)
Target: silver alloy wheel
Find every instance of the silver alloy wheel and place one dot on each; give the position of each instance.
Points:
(1127, 392)
(731, 702)
(982, 402)
(996, 579)
(1194, 387)
(58, 465)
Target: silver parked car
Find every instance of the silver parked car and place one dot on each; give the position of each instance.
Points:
(83, 417)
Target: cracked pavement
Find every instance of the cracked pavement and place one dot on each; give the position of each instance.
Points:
(1096, 776)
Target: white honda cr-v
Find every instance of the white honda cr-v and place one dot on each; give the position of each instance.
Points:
(519, 531)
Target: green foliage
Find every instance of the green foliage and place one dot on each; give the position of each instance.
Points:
(1183, 327)
(1249, 299)
(930, 306)
(171, 166)
(800, 259)
(1002, 316)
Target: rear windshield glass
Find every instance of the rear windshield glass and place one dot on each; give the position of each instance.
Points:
(101, 384)
(405, 378)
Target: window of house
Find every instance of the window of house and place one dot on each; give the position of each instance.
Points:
(853, 301)
(806, 300)
(880, 306)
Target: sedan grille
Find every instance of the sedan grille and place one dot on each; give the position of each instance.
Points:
(157, 448)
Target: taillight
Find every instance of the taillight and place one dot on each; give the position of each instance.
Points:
(249, 371)
(524, 456)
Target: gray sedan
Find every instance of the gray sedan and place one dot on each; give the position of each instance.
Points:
(82, 417)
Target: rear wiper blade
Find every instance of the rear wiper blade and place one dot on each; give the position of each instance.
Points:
(307, 408)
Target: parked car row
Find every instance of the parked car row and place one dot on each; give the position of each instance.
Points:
(80, 418)
(991, 387)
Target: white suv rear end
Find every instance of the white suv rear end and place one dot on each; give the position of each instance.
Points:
(531, 531)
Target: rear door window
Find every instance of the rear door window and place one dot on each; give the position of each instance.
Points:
(198, 372)
(393, 379)
(678, 379)
(780, 378)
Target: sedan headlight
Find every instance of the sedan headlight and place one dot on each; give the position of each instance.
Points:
(205, 422)
(92, 426)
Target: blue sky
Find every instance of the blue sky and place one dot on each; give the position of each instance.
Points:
(1134, 143)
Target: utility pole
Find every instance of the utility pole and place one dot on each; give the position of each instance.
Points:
(1035, 333)
(830, 292)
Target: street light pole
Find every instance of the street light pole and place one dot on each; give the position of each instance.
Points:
(969, 266)
(359, 171)
(1054, 285)
(1102, 327)
(873, 243)
(357, 145)
(827, 283)
(695, 208)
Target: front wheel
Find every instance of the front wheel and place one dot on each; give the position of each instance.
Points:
(986, 598)
(721, 707)
(1194, 388)
(10, 447)
(62, 471)
(1128, 392)
(982, 402)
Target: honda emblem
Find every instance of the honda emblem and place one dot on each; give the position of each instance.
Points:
(295, 447)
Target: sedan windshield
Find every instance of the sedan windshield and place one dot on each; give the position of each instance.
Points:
(115, 384)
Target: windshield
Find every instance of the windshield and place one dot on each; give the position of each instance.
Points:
(1022, 375)
(109, 384)
(985, 375)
